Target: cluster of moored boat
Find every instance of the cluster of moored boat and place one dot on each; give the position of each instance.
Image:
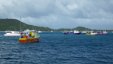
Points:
(86, 32)
(33, 36)
(24, 36)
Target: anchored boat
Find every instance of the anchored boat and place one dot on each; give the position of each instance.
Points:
(29, 36)
(77, 32)
(12, 33)
(91, 33)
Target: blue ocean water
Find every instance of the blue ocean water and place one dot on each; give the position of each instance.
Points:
(57, 48)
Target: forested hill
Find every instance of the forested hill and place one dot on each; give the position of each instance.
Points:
(14, 24)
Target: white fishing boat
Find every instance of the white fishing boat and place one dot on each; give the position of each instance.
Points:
(12, 33)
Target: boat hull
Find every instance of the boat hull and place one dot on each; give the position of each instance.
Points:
(30, 40)
(77, 33)
(11, 34)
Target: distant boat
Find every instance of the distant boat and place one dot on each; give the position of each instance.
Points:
(91, 33)
(51, 31)
(12, 33)
(72, 32)
(68, 32)
(39, 31)
(105, 32)
(29, 36)
(76, 32)
(102, 32)
(84, 32)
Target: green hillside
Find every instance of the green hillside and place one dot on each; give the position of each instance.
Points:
(81, 28)
(14, 24)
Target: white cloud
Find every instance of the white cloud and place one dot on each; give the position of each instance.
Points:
(72, 6)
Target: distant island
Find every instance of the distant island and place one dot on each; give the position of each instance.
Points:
(17, 25)
(77, 28)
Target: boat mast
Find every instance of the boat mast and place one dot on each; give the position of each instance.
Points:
(20, 24)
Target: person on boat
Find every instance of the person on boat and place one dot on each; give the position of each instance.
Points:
(29, 36)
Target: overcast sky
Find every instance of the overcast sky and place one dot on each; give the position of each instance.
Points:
(96, 14)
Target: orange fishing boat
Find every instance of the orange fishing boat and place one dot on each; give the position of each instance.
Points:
(29, 36)
(28, 40)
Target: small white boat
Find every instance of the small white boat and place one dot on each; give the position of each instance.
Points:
(77, 32)
(105, 32)
(12, 33)
(51, 31)
(84, 32)
(91, 33)
(39, 31)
